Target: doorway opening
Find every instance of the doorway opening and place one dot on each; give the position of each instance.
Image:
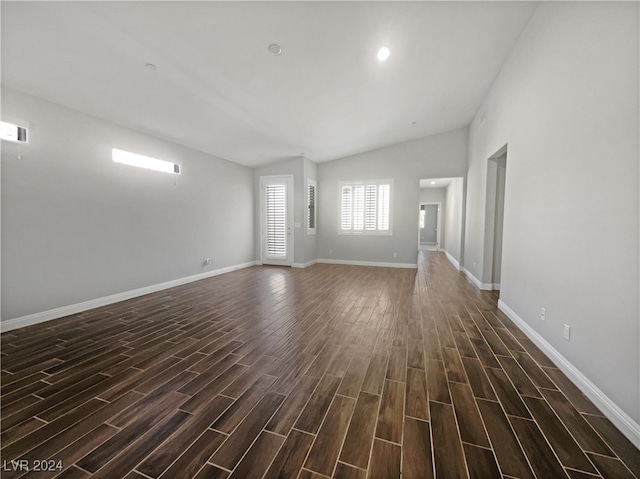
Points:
(494, 218)
(441, 213)
(429, 225)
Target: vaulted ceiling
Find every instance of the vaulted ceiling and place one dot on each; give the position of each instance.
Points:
(218, 89)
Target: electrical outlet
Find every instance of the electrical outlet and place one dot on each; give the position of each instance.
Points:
(543, 314)
(330, 251)
(567, 332)
(207, 261)
(395, 255)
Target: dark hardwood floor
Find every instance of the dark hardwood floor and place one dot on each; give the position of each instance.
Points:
(331, 371)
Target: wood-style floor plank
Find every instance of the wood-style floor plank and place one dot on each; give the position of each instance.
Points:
(364, 372)
(390, 416)
(624, 448)
(416, 395)
(469, 421)
(158, 461)
(385, 460)
(237, 443)
(541, 457)
(610, 467)
(416, 450)
(448, 457)
(563, 443)
(291, 456)
(357, 444)
(284, 419)
(481, 462)
(345, 471)
(510, 457)
(326, 448)
(259, 456)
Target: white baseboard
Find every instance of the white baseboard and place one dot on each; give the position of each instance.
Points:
(43, 316)
(496, 286)
(476, 281)
(617, 416)
(368, 263)
(304, 265)
(452, 260)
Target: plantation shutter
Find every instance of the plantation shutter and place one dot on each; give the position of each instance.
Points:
(276, 219)
(358, 207)
(366, 207)
(347, 194)
(370, 207)
(383, 207)
(311, 206)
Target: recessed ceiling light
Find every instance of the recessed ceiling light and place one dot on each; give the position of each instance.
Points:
(383, 54)
(433, 182)
(151, 66)
(275, 49)
(414, 122)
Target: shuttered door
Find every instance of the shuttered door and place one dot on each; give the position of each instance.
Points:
(276, 220)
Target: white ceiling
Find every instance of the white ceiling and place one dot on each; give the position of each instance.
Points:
(217, 88)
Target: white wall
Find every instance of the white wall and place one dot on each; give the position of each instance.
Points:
(453, 224)
(439, 156)
(76, 226)
(566, 103)
(433, 195)
(436, 195)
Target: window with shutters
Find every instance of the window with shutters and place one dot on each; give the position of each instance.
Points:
(311, 207)
(365, 207)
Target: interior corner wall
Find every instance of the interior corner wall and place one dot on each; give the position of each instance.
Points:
(566, 103)
(77, 227)
(437, 156)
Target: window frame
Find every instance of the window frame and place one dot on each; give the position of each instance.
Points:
(364, 231)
